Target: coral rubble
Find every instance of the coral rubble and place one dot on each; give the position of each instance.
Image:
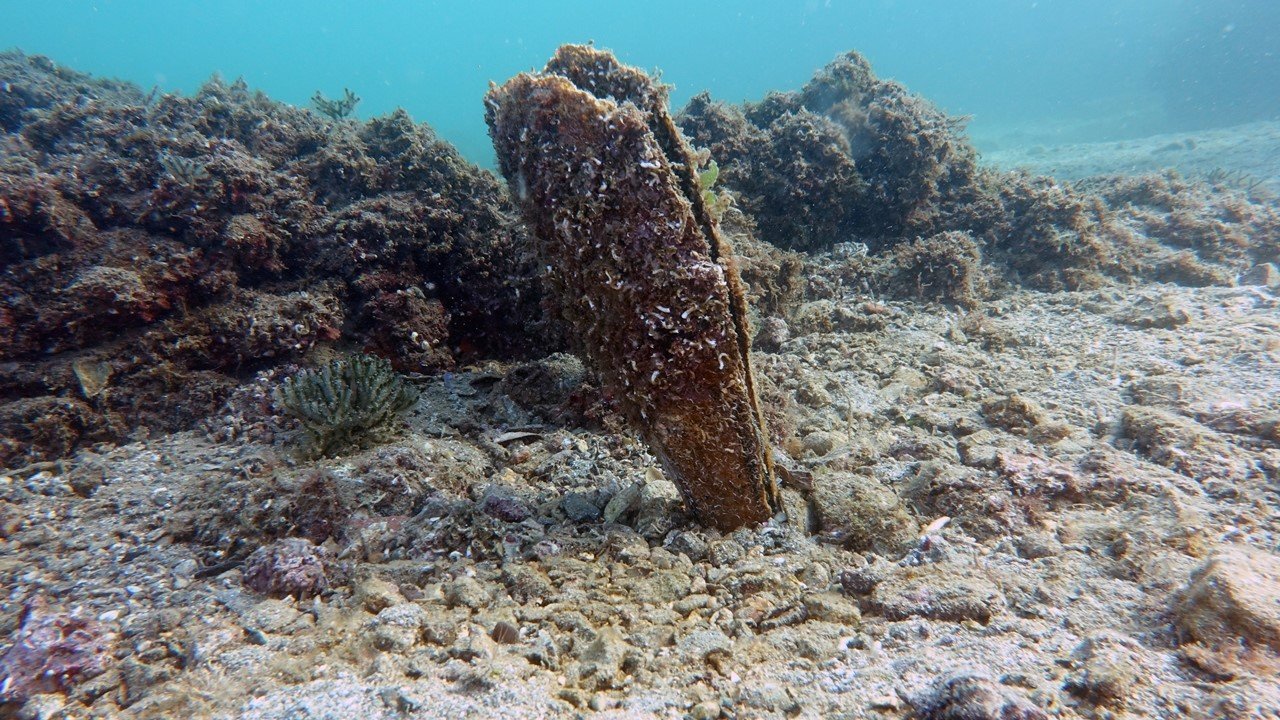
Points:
(638, 268)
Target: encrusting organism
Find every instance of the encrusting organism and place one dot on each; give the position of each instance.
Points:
(345, 400)
(636, 265)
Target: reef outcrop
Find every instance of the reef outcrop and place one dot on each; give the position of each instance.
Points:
(854, 158)
(636, 265)
(155, 251)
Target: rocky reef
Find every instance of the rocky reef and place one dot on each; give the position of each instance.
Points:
(159, 249)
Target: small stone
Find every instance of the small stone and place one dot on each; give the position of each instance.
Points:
(708, 710)
(272, 616)
(1234, 595)
(1108, 669)
(466, 591)
(701, 644)
(862, 513)
(579, 509)
(501, 502)
(940, 591)
(832, 608)
(376, 594)
(1264, 274)
(966, 696)
(398, 627)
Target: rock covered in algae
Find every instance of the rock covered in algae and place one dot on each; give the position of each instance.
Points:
(635, 263)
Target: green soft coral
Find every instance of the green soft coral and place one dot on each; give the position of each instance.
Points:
(345, 401)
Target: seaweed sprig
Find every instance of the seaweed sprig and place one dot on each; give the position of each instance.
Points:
(336, 109)
(186, 171)
(717, 202)
(345, 401)
(1235, 179)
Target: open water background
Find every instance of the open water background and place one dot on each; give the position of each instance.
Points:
(1027, 71)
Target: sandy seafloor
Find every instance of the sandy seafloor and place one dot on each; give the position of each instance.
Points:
(1250, 153)
(1121, 442)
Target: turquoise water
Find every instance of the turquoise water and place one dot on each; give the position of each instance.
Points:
(1026, 70)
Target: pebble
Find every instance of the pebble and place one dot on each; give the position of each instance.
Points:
(699, 644)
(578, 508)
(941, 591)
(398, 627)
(833, 608)
(971, 696)
(1264, 274)
(466, 591)
(1108, 668)
(705, 710)
(376, 594)
(1234, 595)
(272, 615)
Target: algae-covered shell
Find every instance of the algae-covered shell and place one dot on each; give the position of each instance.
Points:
(636, 265)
